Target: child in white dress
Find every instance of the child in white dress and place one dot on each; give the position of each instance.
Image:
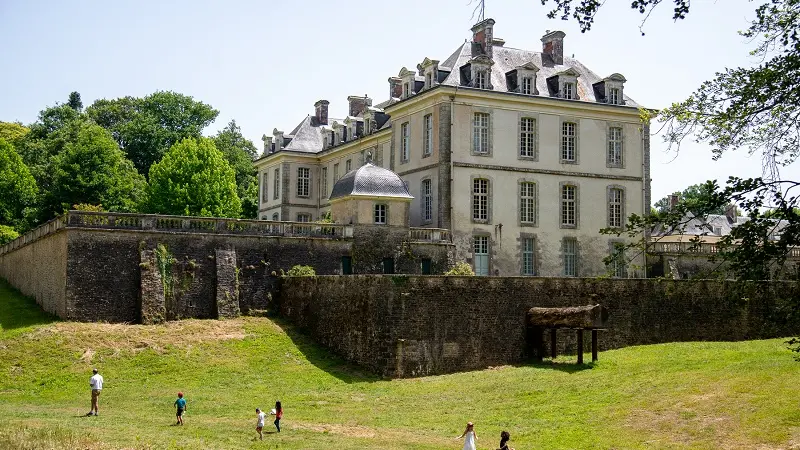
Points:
(470, 438)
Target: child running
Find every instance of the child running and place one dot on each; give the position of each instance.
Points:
(180, 404)
(278, 413)
(260, 423)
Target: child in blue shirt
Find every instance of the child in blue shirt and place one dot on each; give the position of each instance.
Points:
(180, 403)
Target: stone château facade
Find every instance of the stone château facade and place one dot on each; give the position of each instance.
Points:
(523, 155)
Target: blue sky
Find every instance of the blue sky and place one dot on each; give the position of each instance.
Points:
(265, 63)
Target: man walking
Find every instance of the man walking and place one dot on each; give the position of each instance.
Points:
(96, 383)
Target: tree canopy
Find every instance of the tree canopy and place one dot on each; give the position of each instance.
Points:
(240, 152)
(17, 187)
(193, 178)
(694, 197)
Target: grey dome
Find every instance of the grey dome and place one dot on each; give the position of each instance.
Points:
(370, 180)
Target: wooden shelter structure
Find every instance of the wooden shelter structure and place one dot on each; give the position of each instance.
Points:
(591, 317)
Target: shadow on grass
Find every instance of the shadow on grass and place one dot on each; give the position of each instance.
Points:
(321, 357)
(561, 366)
(19, 311)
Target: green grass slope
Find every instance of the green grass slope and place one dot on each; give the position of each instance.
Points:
(695, 395)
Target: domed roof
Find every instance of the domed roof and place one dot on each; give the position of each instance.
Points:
(370, 180)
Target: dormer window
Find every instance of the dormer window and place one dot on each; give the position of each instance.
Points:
(610, 90)
(481, 80)
(564, 85)
(406, 90)
(428, 80)
(568, 91)
(614, 96)
(527, 85)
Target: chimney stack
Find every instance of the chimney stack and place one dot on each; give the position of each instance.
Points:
(395, 87)
(358, 104)
(321, 112)
(267, 144)
(278, 135)
(553, 45)
(730, 213)
(482, 39)
(673, 200)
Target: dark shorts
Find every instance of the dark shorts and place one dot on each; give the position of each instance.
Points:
(180, 412)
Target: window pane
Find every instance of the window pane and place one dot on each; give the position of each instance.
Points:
(527, 137)
(380, 214)
(570, 257)
(480, 199)
(527, 256)
(615, 146)
(404, 144)
(427, 201)
(480, 136)
(568, 141)
(615, 201)
(303, 181)
(527, 202)
(277, 182)
(264, 185)
(428, 135)
(568, 205)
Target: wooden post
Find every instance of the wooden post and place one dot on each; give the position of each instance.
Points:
(553, 343)
(580, 346)
(594, 345)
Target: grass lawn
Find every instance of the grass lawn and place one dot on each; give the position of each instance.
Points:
(693, 395)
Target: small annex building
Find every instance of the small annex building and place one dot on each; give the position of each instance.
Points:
(371, 195)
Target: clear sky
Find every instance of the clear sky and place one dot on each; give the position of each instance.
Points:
(265, 63)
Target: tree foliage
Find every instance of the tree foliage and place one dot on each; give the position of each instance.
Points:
(694, 197)
(17, 187)
(240, 152)
(301, 271)
(75, 102)
(146, 128)
(93, 170)
(7, 234)
(193, 178)
(460, 269)
(12, 132)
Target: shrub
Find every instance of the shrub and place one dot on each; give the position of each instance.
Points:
(301, 271)
(7, 234)
(460, 269)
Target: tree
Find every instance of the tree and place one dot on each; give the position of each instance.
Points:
(12, 132)
(17, 187)
(93, 170)
(146, 128)
(194, 179)
(240, 152)
(693, 196)
(75, 102)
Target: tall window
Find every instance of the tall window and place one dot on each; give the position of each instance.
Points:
(264, 185)
(480, 133)
(405, 142)
(367, 126)
(480, 254)
(336, 172)
(568, 205)
(615, 146)
(427, 146)
(615, 201)
(619, 266)
(303, 217)
(480, 199)
(429, 80)
(324, 177)
(568, 141)
(482, 79)
(527, 256)
(614, 96)
(380, 214)
(347, 166)
(569, 90)
(427, 201)
(303, 181)
(570, 252)
(527, 85)
(527, 137)
(405, 90)
(527, 202)
(276, 192)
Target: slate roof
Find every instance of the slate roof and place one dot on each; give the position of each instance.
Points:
(370, 180)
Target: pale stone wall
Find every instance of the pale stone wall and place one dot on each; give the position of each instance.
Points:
(39, 270)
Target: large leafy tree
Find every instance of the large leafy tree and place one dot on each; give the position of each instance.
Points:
(193, 178)
(12, 132)
(17, 187)
(240, 152)
(92, 169)
(146, 128)
(694, 196)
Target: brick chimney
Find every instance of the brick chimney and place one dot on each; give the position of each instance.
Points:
(482, 38)
(395, 87)
(673, 200)
(730, 213)
(321, 111)
(553, 45)
(358, 104)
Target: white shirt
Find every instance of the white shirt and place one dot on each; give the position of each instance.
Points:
(261, 416)
(96, 382)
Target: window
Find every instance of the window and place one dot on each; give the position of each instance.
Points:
(405, 90)
(480, 199)
(480, 133)
(482, 79)
(569, 90)
(347, 166)
(277, 183)
(303, 181)
(336, 172)
(264, 185)
(324, 177)
(427, 145)
(616, 197)
(380, 214)
(303, 217)
(527, 85)
(429, 80)
(367, 126)
(568, 210)
(388, 265)
(527, 202)
(614, 96)
(480, 254)
(527, 256)
(570, 252)
(276, 217)
(404, 142)
(427, 201)
(619, 265)
(615, 146)
(527, 137)
(568, 141)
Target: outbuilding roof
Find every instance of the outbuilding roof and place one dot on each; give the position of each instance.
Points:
(370, 180)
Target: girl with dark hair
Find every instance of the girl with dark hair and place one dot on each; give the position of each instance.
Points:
(278, 413)
(504, 438)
